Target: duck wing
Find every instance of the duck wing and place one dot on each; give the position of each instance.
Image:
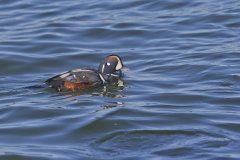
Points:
(77, 78)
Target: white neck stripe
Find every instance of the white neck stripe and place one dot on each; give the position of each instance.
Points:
(103, 68)
(101, 77)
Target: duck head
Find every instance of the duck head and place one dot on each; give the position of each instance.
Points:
(110, 64)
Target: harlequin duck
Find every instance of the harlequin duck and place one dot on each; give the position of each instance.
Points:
(84, 78)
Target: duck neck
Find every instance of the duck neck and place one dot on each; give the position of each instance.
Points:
(105, 70)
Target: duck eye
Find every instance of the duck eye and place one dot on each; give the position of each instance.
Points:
(108, 64)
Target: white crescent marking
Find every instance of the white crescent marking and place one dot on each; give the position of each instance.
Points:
(119, 64)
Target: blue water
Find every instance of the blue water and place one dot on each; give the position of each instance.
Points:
(180, 98)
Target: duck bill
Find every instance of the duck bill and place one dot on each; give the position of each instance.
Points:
(124, 68)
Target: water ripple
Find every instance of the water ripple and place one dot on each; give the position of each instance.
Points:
(178, 100)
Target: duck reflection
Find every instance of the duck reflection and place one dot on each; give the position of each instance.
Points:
(110, 105)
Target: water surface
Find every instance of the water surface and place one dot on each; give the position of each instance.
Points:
(180, 98)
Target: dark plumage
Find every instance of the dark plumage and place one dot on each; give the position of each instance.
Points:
(84, 78)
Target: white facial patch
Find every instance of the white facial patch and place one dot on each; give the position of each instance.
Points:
(108, 64)
(119, 64)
